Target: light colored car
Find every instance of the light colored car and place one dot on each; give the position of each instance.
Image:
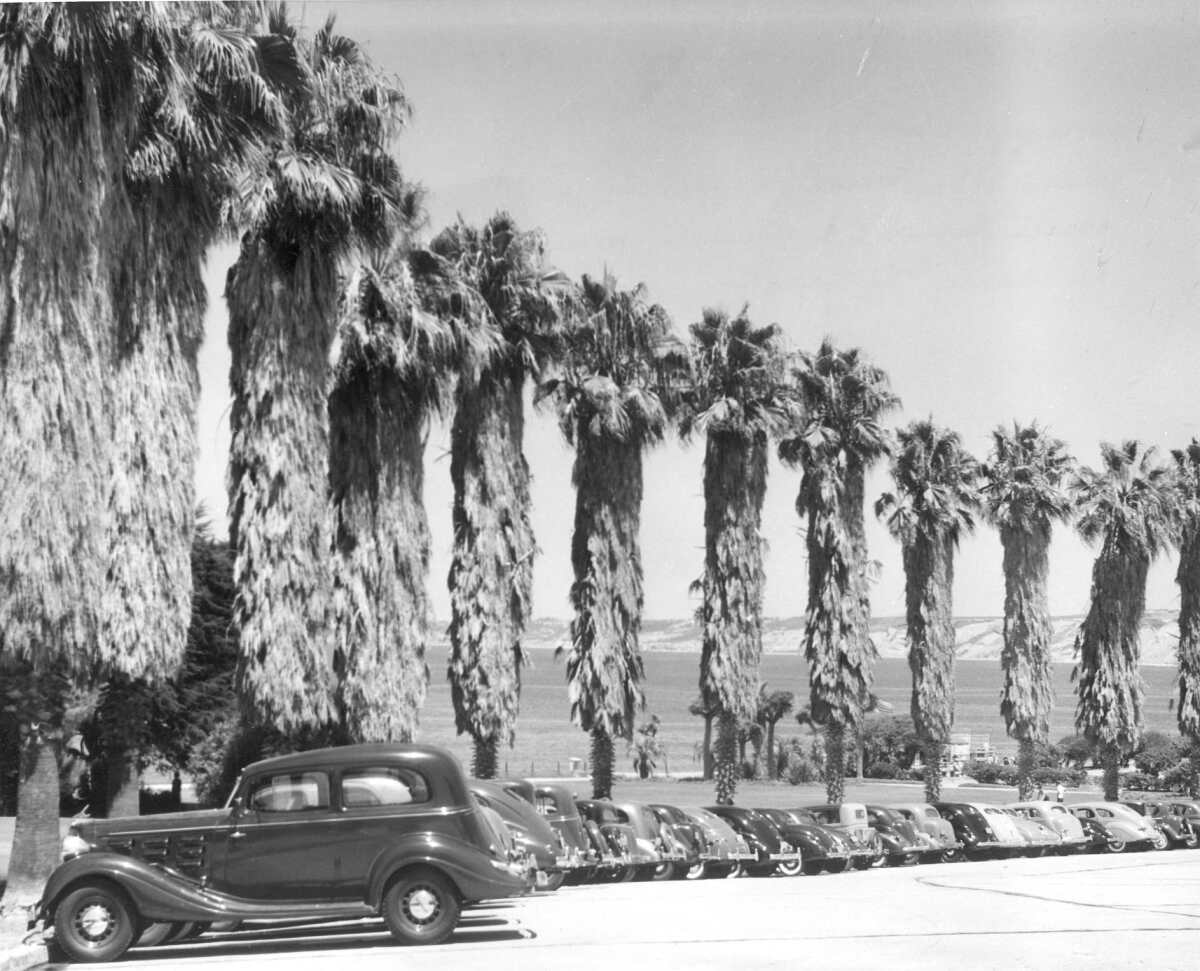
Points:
(1055, 815)
(930, 822)
(1041, 839)
(1125, 828)
(1004, 826)
(725, 852)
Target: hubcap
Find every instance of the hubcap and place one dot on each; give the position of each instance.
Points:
(94, 922)
(422, 905)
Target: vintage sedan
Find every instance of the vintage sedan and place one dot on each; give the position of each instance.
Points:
(1175, 826)
(929, 821)
(687, 835)
(724, 852)
(1055, 816)
(1189, 809)
(632, 856)
(763, 838)
(531, 834)
(385, 830)
(820, 847)
(1123, 828)
(903, 843)
(582, 843)
(675, 850)
(1040, 839)
(982, 835)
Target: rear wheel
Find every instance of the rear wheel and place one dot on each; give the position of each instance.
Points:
(421, 907)
(554, 880)
(156, 933)
(760, 869)
(95, 922)
(700, 869)
(791, 868)
(950, 856)
(735, 871)
(1115, 846)
(1160, 841)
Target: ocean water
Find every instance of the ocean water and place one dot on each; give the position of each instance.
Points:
(546, 740)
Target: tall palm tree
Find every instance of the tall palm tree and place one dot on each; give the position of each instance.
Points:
(1187, 472)
(91, 102)
(1131, 507)
(403, 336)
(491, 568)
(772, 706)
(934, 504)
(842, 398)
(1024, 494)
(323, 192)
(737, 398)
(612, 399)
(708, 709)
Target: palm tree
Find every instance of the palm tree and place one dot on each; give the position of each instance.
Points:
(772, 706)
(324, 191)
(491, 568)
(1131, 507)
(934, 504)
(738, 396)
(1187, 472)
(403, 336)
(91, 102)
(1024, 494)
(842, 398)
(612, 400)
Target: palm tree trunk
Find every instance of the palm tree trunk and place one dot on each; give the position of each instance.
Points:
(281, 327)
(381, 561)
(36, 840)
(708, 760)
(726, 767)
(491, 569)
(1110, 760)
(1188, 650)
(772, 774)
(602, 764)
(835, 764)
(486, 761)
(1025, 760)
(932, 754)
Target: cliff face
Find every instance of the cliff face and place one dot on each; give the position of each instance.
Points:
(979, 638)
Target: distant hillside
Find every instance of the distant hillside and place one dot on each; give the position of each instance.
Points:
(979, 638)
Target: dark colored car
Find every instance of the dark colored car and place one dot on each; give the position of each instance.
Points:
(631, 857)
(532, 836)
(903, 844)
(690, 838)
(972, 830)
(358, 831)
(584, 847)
(820, 848)
(763, 838)
(1174, 826)
(673, 844)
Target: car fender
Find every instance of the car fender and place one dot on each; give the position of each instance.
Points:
(475, 874)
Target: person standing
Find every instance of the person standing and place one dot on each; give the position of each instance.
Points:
(1060, 792)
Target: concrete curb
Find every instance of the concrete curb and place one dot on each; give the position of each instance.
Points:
(23, 956)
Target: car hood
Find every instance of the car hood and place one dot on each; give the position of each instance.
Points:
(93, 830)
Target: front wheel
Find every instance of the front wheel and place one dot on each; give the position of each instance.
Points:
(554, 881)
(1160, 841)
(421, 907)
(837, 866)
(95, 922)
(790, 868)
(1115, 846)
(950, 856)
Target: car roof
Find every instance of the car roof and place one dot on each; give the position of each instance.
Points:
(342, 755)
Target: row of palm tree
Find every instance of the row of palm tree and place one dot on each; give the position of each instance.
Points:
(123, 120)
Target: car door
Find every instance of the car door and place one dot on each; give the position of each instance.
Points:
(284, 844)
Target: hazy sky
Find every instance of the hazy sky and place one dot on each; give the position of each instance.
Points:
(997, 202)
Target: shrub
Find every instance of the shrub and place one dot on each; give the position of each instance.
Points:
(1051, 775)
(991, 773)
(1181, 777)
(1142, 781)
(884, 770)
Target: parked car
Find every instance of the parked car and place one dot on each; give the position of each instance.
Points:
(725, 851)
(903, 843)
(849, 817)
(1040, 839)
(688, 834)
(1175, 826)
(672, 849)
(764, 840)
(1123, 827)
(864, 846)
(1055, 816)
(1187, 808)
(631, 854)
(977, 832)
(385, 830)
(556, 804)
(929, 821)
(819, 848)
(532, 835)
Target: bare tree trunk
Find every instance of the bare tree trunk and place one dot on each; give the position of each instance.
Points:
(726, 758)
(1025, 757)
(772, 768)
(124, 784)
(602, 764)
(932, 754)
(835, 764)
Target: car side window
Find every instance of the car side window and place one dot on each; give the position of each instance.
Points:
(289, 792)
(1104, 814)
(390, 785)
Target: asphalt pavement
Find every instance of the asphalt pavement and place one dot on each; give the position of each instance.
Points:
(1128, 911)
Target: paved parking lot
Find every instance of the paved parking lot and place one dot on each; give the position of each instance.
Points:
(1129, 911)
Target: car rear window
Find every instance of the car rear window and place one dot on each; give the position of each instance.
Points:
(382, 786)
(290, 792)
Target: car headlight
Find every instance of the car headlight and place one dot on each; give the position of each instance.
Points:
(74, 845)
